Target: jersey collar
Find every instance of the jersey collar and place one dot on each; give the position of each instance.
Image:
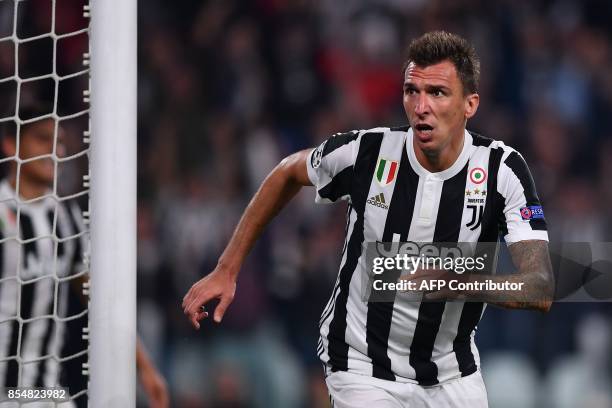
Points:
(6, 191)
(461, 161)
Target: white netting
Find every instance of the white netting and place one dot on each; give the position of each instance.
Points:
(44, 118)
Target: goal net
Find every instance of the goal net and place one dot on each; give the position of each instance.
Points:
(44, 234)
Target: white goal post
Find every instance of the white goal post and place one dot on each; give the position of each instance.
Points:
(113, 203)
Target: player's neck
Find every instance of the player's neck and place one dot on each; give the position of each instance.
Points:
(437, 161)
(28, 189)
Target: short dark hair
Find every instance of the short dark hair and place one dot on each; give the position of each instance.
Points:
(436, 46)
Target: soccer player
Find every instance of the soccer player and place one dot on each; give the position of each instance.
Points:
(37, 260)
(430, 182)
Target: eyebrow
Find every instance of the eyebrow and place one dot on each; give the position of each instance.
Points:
(429, 88)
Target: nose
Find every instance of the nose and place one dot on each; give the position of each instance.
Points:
(422, 106)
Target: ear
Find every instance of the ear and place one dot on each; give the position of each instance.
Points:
(471, 105)
(8, 145)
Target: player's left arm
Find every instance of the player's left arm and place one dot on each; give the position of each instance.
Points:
(532, 259)
(525, 232)
(527, 238)
(534, 276)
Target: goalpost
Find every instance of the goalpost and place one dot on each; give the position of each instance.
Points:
(113, 203)
(111, 65)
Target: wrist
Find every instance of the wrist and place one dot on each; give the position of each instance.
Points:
(228, 269)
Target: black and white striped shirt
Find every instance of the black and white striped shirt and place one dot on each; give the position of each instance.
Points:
(33, 308)
(393, 198)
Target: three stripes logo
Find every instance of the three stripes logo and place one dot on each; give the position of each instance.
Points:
(378, 201)
(386, 170)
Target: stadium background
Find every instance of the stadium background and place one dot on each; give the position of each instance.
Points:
(228, 88)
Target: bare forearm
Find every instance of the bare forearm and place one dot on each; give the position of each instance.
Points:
(142, 358)
(281, 185)
(152, 381)
(535, 275)
(533, 294)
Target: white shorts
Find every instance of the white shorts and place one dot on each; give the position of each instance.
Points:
(348, 390)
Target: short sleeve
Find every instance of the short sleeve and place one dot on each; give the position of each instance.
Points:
(331, 167)
(523, 215)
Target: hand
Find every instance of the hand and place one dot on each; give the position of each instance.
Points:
(438, 280)
(216, 285)
(155, 387)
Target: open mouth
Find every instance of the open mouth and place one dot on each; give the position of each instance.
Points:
(423, 127)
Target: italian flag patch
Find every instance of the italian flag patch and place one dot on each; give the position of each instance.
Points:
(386, 170)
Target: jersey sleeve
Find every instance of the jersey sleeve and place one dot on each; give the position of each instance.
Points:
(523, 215)
(331, 167)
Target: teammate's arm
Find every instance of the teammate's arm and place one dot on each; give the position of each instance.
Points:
(279, 187)
(151, 379)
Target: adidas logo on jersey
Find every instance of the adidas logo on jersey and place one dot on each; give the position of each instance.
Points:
(378, 201)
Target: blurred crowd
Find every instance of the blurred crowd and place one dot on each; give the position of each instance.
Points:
(228, 88)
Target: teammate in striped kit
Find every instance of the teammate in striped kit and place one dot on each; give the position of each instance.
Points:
(35, 262)
(46, 308)
(430, 182)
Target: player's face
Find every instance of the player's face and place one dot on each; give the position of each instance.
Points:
(37, 140)
(436, 105)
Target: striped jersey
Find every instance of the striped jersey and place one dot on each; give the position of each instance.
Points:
(39, 246)
(391, 198)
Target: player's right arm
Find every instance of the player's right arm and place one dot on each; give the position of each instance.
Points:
(329, 167)
(279, 187)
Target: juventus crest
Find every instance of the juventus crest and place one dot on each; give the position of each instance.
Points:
(475, 200)
(476, 217)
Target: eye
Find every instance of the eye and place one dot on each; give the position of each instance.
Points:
(437, 93)
(409, 91)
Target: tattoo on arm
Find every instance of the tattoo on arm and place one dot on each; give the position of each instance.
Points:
(534, 269)
(532, 260)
